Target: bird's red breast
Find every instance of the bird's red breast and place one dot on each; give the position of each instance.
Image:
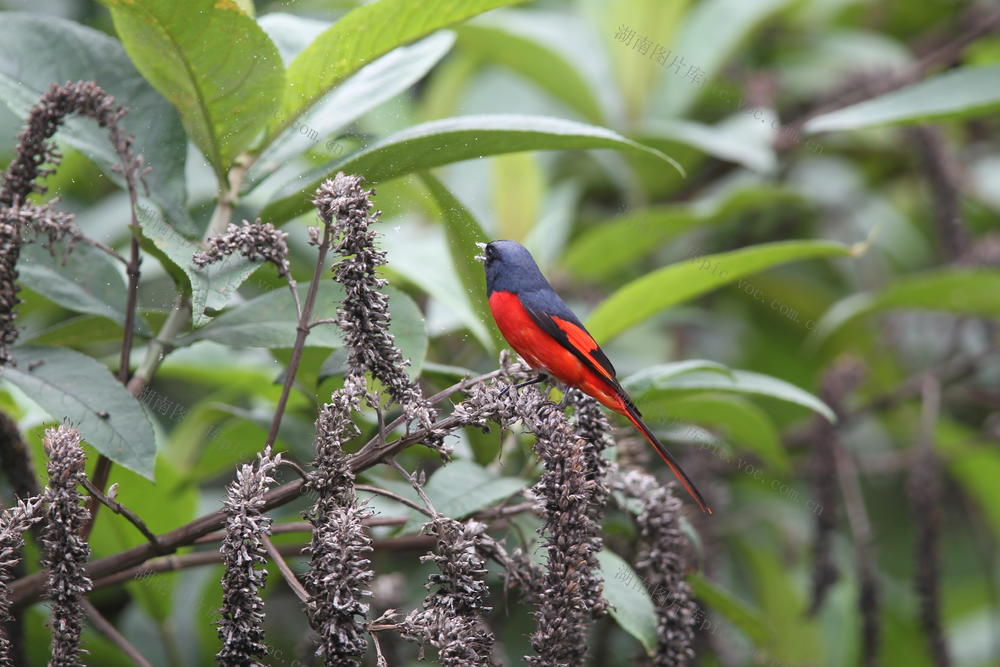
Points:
(544, 352)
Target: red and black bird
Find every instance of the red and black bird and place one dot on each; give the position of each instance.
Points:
(545, 332)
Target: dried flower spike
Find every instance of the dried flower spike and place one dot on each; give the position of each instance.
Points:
(571, 494)
(363, 316)
(241, 627)
(14, 521)
(66, 552)
(257, 241)
(661, 563)
(451, 617)
(34, 150)
(339, 571)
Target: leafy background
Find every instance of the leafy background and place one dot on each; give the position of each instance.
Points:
(767, 186)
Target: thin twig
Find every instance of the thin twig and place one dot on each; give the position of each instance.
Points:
(286, 571)
(389, 494)
(105, 627)
(860, 525)
(433, 513)
(302, 331)
(326, 320)
(108, 250)
(27, 589)
(118, 508)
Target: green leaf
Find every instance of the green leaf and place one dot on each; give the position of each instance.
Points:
(518, 189)
(975, 464)
(711, 33)
(462, 488)
(742, 422)
(631, 606)
(646, 296)
(960, 93)
(211, 286)
(602, 250)
(360, 37)
(270, 320)
(213, 62)
(73, 53)
(420, 256)
(960, 291)
(729, 607)
(453, 140)
(74, 387)
(519, 41)
(652, 383)
(85, 280)
(374, 84)
(463, 232)
(741, 139)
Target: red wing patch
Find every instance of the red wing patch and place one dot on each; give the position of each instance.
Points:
(582, 341)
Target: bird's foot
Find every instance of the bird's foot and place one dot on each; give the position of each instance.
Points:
(541, 377)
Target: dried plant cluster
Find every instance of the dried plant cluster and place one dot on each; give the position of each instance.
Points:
(20, 221)
(453, 620)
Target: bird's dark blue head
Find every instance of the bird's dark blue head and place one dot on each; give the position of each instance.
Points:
(511, 268)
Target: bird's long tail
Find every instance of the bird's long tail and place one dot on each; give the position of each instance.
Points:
(633, 416)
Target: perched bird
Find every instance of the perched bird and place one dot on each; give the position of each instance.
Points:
(545, 332)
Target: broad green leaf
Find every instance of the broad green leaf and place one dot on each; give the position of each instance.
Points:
(518, 190)
(74, 387)
(270, 320)
(550, 233)
(710, 34)
(519, 41)
(638, 37)
(646, 296)
(371, 86)
(420, 256)
(975, 464)
(76, 332)
(85, 280)
(742, 422)
(463, 232)
(212, 61)
(794, 637)
(960, 291)
(609, 247)
(729, 607)
(653, 383)
(72, 53)
(360, 37)
(960, 93)
(742, 139)
(631, 606)
(462, 488)
(453, 140)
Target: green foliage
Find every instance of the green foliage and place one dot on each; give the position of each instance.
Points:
(213, 62)
(82, 391)
(691, 178)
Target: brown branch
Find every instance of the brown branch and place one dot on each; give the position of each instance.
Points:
(925, 500)
(286, 572)
(28, 589)
(118, 508)
(944, 179)
(857, 519)
(859, 89)
(301, 332)
(105, 627)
